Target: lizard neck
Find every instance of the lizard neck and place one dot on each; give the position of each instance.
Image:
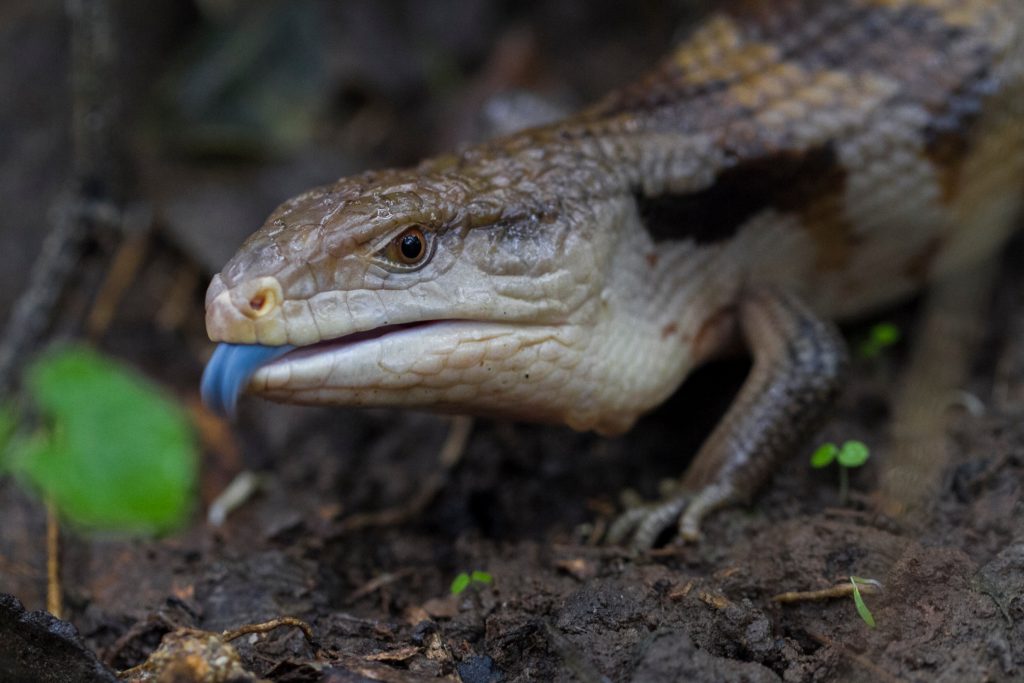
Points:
(661, 311)
(669, 306)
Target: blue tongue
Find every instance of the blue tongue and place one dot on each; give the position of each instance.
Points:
(229, 371)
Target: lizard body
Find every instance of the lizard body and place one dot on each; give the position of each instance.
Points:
(790, 162)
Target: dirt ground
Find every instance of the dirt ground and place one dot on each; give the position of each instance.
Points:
(523, 503)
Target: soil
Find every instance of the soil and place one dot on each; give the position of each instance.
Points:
(524, 503)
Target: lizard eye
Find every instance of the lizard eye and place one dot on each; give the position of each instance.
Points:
(411, 249)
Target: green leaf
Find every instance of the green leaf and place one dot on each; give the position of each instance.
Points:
(119, 455)
(460, 583)
(853, 454)
(481, 577)
(824, 455)
(862, 609)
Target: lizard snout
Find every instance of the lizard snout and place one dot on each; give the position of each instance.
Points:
(248, 313)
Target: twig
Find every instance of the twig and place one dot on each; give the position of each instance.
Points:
(54, 595)
(33, 310)
(268, 626)
(714, 600)
(215, 434)
(121, 274)
(455, 444)
(177, 301)
(841, 590)
(241, 489)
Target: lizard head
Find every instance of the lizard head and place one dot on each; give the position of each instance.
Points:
(440, 287)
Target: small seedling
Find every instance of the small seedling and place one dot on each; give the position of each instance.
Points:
(851, 454)
(858, 599)
(880, 337)
(464, 580)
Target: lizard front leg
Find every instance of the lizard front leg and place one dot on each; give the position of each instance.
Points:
(798, 363)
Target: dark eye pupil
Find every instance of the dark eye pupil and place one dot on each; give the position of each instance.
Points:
(411, 246)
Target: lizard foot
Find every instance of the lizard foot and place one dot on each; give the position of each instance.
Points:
(644, 524)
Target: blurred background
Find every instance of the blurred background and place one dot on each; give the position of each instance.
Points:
(217, 110)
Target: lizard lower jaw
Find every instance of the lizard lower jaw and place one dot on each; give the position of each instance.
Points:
(330, 357)
(338, 343)
(445, 365)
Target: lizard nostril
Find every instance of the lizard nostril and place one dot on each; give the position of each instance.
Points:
(263, 302)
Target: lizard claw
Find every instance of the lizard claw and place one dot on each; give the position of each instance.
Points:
(643, 525)
(686, 509)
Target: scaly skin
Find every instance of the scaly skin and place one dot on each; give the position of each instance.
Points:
(840, 153)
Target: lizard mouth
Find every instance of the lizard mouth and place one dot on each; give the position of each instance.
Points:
(232, 366)
(329, 345)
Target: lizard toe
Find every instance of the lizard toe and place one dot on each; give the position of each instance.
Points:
(643, 525)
